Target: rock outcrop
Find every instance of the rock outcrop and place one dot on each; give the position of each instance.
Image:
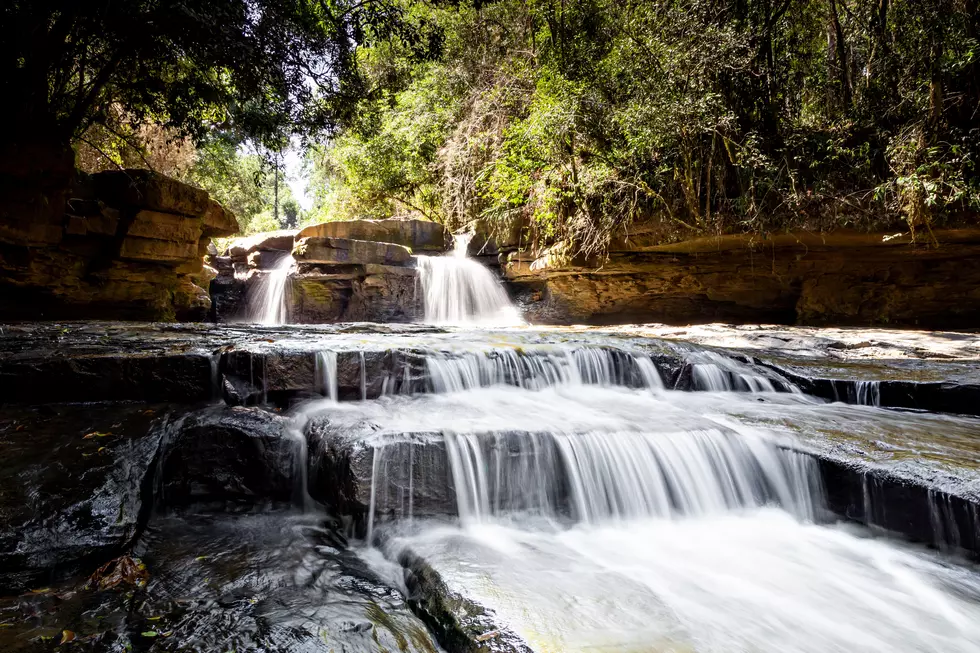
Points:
(346, 271)
(127, 244)
(838, 278)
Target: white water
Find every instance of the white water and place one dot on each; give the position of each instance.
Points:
(456, 290)
(601, 512)
(534, 371)
(267, 302)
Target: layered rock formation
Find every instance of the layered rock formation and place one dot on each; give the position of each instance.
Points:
(357, 270)
(838, 278)
(125, 244)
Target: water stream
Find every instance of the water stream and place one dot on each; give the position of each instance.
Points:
(458, 290)
(268, 296)
(590, 507)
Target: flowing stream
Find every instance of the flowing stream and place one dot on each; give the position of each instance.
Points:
(591, 508)
(458, 290)
(268, 296)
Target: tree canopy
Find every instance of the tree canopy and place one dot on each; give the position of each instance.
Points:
(573, 118)
(260, 68)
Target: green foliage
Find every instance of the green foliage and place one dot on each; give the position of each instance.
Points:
(243, 182)
(260, 68)
(572, 119)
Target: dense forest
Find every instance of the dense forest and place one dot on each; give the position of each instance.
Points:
(573, 118)
(563, 121)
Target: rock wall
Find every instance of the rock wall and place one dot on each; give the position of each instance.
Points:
(126, 244)
(346, 271)
(839, 278)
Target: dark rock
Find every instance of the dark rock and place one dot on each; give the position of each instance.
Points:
(75, 487)
(120, 377)
(408, 476)
(229, 454)
(878, 498)
(273, 582)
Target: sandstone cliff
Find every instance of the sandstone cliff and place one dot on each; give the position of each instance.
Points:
(125, 244)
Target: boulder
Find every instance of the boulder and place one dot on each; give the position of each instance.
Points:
(75, 487)
(313, 249)
(274, 241)
(144, 189)
(229, 454)
(418, 235)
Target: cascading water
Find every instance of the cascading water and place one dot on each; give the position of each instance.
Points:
(598, 510)
(456, 290)
(267, 302)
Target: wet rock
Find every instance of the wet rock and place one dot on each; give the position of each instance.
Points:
(879, 498)
(459, 623)
(255, 582)
(121, 377)
(407, 476)
(343, 251)
(75, 487)
(229, 454)
(418, 235)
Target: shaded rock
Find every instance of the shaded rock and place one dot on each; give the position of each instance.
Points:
(347, 251)
(878, 498)
(126, 189)
(418, 235)
(118, 376)
(271, 582)
(229, 454)
(126, 243)
(408, 475)
(75, 488)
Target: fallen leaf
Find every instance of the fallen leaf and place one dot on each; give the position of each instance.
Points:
(149, 633)
(96, 434)
(43, 590)
(66, 636)
(156, 618)
(121, 571)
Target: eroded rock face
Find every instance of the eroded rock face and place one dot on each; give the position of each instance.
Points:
(127, 245)
(75, 487)
(418, 235)
(839, 278)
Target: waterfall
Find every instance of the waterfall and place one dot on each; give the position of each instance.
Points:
(588, 365)
(458, 290)
(621, 476)
(267, 302)
(717, 373)
(868, 393)
(326, 374)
